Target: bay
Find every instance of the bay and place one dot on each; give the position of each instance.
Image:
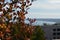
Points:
(40, 22)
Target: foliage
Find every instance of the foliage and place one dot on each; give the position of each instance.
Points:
(38, 34)
(12, 25)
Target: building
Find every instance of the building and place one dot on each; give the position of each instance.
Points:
(52, 32)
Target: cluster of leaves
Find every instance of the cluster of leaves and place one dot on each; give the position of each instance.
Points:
(38, 34)
(17, 29)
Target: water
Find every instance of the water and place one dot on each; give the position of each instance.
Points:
(39, 22)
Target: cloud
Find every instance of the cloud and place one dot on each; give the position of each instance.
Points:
(43, 15)
(50, 4)
(54, 1)
(46, 6)
(48, 9)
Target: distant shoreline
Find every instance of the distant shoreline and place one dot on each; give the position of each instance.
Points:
(49, 20)
(42, 21)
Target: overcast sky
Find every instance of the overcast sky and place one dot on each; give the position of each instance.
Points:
(45, 9)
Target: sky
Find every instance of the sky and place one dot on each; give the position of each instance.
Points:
(44, 9)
